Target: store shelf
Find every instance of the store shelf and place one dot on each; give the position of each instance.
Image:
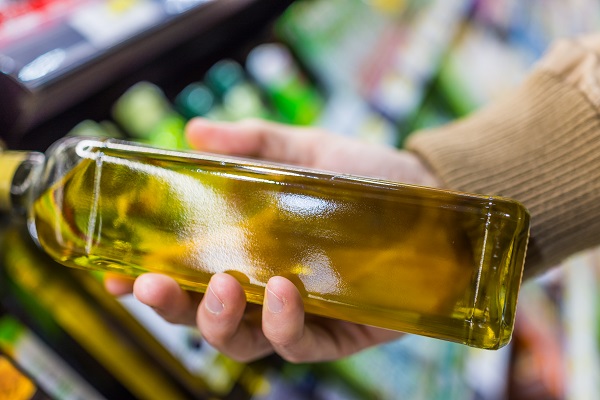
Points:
(54, 68)
(378, 71)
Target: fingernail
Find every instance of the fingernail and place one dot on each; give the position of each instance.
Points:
(212, 302)
(274, 303)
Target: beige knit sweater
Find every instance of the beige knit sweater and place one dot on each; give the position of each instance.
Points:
(539, 145)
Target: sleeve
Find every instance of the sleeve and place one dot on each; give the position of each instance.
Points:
(540, 145)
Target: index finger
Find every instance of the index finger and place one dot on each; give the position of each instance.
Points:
(118, 285)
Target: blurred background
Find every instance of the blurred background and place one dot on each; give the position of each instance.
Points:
(376, 70)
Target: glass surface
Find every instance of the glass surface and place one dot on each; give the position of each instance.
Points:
(420, 260)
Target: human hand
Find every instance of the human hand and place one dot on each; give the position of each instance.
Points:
(247, 332)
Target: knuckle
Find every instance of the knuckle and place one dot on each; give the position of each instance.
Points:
(216, 339)
(287, 346)
(167, 315)
(292, 356)
(282, 341)
(242, 358)
(281, 338)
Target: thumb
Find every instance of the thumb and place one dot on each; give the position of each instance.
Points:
(256, 138)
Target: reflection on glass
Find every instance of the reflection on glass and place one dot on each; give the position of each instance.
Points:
(43, 65)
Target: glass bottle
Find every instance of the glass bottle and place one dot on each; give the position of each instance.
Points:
(420, 260)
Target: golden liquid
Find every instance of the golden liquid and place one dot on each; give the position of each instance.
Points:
(419, 260)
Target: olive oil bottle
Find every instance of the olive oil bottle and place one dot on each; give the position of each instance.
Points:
(420, 260)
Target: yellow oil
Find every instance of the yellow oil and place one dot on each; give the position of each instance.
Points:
(419, 260)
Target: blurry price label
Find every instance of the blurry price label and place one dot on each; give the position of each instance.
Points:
(51, 372)
(13, 384)
(104, 24)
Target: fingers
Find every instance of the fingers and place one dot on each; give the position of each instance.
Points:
(284, 325)
(118, 285)
(167, 298)
(308, 147)
(256, 138)
(298, 338)
(283, 321)
(223, 324)
(249, 332)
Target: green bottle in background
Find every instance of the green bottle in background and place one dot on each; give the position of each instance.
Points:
(72, 307)
(240, 98)
(51, 373)
(145, 114)
(294, 97)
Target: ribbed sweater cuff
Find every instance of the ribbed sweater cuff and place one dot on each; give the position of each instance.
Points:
(541, 146)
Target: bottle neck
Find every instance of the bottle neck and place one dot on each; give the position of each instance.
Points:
(19, 171)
